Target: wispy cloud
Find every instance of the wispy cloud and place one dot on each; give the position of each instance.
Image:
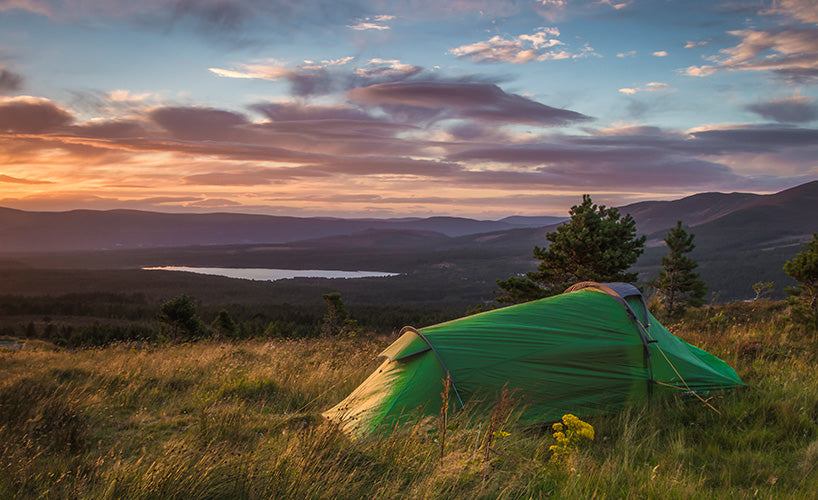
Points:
(649, 87)
(387, 67)
(127, 96)
(551, 9)
(616, 5)
(802, 10)
(328, 76)
(268, 69)
(630, 53)
(783, 50)
(371, 23)
(36, 6)
(18, 180)
(660, 53)
(538, 46)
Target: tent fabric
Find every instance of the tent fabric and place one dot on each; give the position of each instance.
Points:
(592, 349)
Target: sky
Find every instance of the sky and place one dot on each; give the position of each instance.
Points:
(374, 108)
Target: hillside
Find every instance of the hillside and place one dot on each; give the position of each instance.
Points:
(783, 219)
(242, 419)
(740, 239)
(652, 216)
(738, 219)
(22, 231)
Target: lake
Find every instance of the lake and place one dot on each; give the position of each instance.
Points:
(259, 274)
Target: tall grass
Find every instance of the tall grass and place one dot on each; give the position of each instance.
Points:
(242, 420)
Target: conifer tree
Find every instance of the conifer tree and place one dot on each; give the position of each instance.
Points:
(678, 286)
(179, 316)
(595, 245)
(337, 321)
(223, 325)
(804, 297)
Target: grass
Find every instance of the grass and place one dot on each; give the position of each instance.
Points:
(242, 420)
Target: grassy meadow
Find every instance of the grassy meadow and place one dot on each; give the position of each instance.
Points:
(242, 420)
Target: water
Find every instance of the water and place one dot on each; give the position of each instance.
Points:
(258, 274)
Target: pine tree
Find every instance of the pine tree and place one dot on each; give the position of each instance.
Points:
(803, 298)
(595, 245)
(336, 322)
(179, 316)
(223, 325)
(678, 286)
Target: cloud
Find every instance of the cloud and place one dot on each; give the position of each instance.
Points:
(371, 23)
(788, 51)
(326, 77)
(693, 45)
(480, 101)
(298, 111)
(359, 166)
(213, 203)
(660, 53)
(755, 138)
(111, 129)
(537, 46)
(794, 109)
(197, 123)
(650, 87)
(630, 53)
(125, 96)
(268, 69)
(802, 10)
(30, 115)
(17, 180)
(616, 5)
(595, 169)
(9, 81)
(550, 9)
(36, 6)
(252, 177)
(391, 69)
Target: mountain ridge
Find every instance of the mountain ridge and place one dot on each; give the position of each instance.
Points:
(720, 220)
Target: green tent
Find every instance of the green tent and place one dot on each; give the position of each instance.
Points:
(594, 348)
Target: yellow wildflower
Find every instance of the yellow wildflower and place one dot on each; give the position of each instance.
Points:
(569, 434)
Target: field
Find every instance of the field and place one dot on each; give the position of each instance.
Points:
(242, 420)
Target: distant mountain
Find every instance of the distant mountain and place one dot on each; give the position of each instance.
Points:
(652, 216)
(737, 221)
(78, 230)
(533, 221)
(766, 222)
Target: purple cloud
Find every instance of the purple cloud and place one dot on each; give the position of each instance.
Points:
(758, 138)
(29, 115)
(198, 123)
(795, 109)
(9, 81)
(294, 111)
(115, 129)
(482, 101)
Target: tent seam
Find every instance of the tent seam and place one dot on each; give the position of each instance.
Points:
(445, 368)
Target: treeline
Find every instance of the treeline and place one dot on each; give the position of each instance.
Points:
(96, 319)
(133, 307)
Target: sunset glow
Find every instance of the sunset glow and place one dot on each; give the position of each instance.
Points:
(407, 108)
